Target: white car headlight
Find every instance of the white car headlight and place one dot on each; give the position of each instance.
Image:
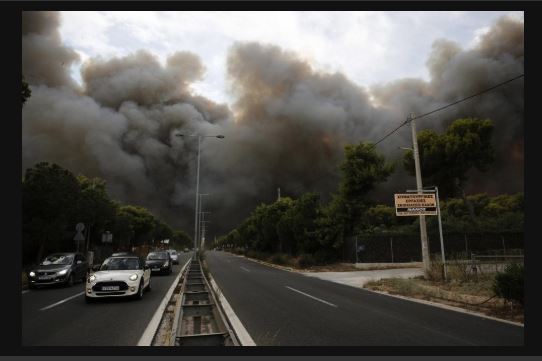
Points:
(133, 277)
(63, 272)
(32, 274)
(92, 278)
(166, 263)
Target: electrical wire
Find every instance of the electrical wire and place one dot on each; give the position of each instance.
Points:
(447, 106)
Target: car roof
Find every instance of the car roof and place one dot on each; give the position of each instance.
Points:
(61, 254)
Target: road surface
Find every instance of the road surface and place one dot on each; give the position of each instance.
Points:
(60, 316)
(285, 308)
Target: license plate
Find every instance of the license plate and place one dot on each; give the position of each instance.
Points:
(44, 277)
(110, 288)
(156, 269)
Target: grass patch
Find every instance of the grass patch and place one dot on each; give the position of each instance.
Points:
(470, 295)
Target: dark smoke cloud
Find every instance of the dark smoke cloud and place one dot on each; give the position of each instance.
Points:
(287, 128)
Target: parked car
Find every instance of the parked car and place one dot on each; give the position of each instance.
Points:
(119, 276)
(159, 262)
(59, 268)
(174, 256)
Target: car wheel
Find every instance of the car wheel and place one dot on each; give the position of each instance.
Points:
(31, 286)
(89, 299)
(70, 281)
(149, 288)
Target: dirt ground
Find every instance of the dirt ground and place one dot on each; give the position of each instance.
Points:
(472, 296)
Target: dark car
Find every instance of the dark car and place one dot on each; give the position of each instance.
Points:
(159, 262)
(59, 268)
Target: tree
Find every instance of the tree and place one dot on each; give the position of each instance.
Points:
(50, 198)
(181, 239)
(95, 209)
(26, 92)
(446, 159)
(140, 221)
(362, 170)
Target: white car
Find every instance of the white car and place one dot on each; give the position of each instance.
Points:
(174, 256)
(119, 276)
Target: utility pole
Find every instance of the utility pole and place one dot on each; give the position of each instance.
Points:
(278, 194)
(441, 238)
(423, 228)
(197, 204)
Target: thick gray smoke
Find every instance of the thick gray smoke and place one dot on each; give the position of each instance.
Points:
(287, 128)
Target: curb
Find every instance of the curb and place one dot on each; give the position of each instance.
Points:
(428, 303)
(240, 331)
(446, 307)
(152, 327)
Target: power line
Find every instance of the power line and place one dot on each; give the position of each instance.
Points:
(315, 180)
(447, 106)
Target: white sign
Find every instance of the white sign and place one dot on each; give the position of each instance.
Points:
(79, 227)
(107, 237)
(412, 204)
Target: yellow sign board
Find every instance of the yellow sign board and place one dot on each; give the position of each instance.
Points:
(412, 204)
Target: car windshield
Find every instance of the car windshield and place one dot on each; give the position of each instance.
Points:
(57, 259)
(157, 255)
(173, 252)
(119, 263)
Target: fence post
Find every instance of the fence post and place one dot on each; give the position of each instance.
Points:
(391, 246)
(466, 245)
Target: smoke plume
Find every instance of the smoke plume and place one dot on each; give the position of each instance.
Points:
(287, 128)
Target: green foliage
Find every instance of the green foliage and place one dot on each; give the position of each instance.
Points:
(50, 198)
(25, 91)
(279, 258)
(306, 260)
(54, 200)
(182, 240)
(509, 284)
(446, 158)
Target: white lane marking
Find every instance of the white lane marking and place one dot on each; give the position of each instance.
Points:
(238, 328)
(315, 298)
(25, 291)
(152, 327)
(62, 301)
(244, 269)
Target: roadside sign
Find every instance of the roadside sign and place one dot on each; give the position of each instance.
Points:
(410, 204)
(79, 227)
(79, 236)
(107, 237)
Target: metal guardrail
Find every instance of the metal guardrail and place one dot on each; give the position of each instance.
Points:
(201, 321)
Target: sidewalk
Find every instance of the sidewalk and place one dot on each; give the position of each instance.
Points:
(360, 278)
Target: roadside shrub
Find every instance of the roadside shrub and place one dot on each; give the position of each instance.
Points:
(306, 260)
(436, 272)
(509, 284)
(324, 256)
(279, 258)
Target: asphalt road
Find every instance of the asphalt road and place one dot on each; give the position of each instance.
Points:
(284, 308)
(47, 321)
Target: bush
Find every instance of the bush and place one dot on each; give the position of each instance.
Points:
(279, 258)
(509, 284)
(306, 260)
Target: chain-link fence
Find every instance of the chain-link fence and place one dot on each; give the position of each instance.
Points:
(387, 247)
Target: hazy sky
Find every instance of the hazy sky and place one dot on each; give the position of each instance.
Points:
(368, 47)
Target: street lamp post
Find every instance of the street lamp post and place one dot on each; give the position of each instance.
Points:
(197, 181)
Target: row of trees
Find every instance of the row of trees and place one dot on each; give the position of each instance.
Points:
(55, 200)
(305, 226)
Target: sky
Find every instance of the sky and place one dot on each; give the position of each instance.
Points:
(289, 90)
(368, 47)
